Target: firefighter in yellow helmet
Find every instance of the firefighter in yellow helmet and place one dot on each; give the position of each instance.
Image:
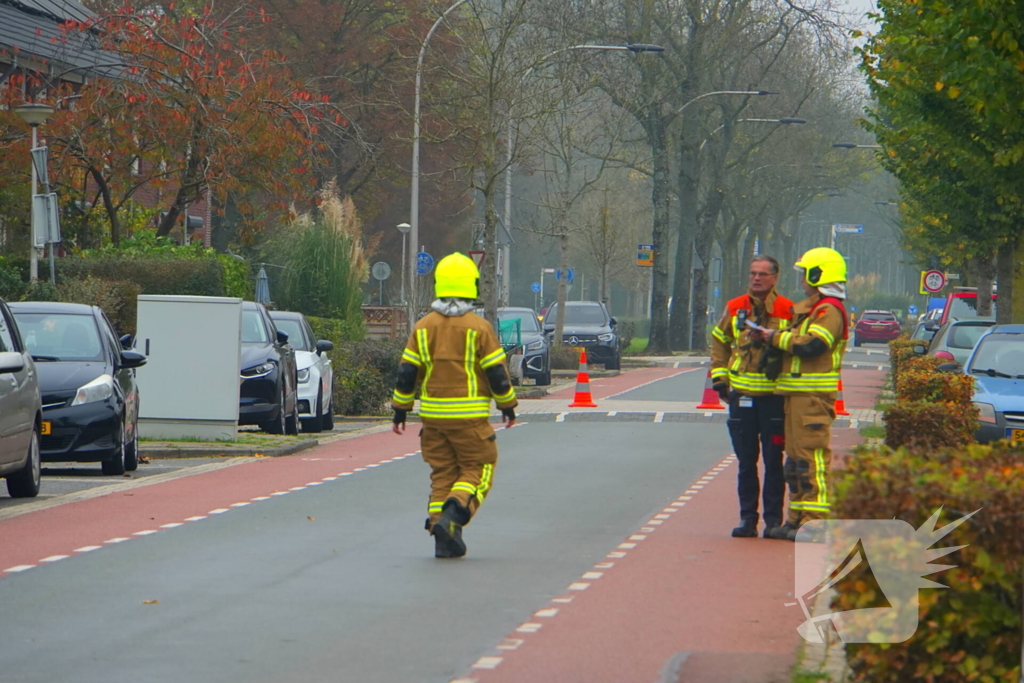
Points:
(812, 354)
(458, 361)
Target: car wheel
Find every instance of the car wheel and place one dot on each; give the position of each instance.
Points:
(277, 425)
(545, 379)
(614, 363)
(131, 453)
(329, 416)
(291, 422)
(116, 465)
(315, 423)
(25, 482)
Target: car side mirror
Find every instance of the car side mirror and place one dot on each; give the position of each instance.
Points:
(126, 341)
(931, 325)
(323, 346)
(549, 328)
(613, 321)
(282, 337)
(10, 362)
(920, 349)
(132, 359)
(948, 367)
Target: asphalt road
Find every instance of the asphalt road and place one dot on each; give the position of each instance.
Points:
(334, 581)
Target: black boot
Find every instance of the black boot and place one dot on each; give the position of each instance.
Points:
(447, 531)
(786, 532)
(769, 527)
(748, 529)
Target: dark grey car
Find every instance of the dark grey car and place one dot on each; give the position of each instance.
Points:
(536, 351)
(588, 325)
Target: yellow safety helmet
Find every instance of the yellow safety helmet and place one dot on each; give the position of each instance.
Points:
(456, 275)
(822, 266)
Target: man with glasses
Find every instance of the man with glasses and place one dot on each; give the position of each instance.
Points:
(742, 373)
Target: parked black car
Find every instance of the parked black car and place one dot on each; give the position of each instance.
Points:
(536, 351)
(21, 413)
(588, 325)
(87, 382)
(268, 396)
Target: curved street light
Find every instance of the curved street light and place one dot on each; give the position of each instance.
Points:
(854, 145)
(753, 93)
(785, 120)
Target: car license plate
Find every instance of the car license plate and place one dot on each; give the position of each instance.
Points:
(47, 429)
(1014, 434)
(878, 327)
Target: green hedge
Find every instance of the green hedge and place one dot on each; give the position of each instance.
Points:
(153, 274)
(970, 631)
(365, 373)
(117, 299)
(336, 330)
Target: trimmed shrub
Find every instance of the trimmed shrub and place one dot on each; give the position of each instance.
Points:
(365, 373)
(915, 384)
(117, 299)
(900, 350)
(337, 330)
(970, 631)
(625, 330)
(927, 426)
(917, 363)
(202, 276)
(564, 358)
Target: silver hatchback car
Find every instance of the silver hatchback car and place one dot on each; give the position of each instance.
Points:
(21, 412)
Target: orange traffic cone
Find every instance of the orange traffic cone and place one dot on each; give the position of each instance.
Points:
(582, 399)
(840, 403)
(710, 400)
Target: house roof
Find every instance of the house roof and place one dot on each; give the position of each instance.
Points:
(32, 28)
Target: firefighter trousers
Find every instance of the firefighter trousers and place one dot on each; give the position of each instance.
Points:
(809, 420)
(462, 455)
(756, 428)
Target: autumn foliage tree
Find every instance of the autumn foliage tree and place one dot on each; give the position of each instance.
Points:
(185, 106)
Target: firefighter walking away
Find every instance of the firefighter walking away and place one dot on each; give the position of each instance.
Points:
(812, 358)
(460, 366)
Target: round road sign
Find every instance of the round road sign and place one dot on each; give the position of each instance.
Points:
(912, 309)
(934, 280)
(381, 270)
(535, 287)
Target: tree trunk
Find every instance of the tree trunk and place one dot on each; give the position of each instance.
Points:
(1006, 266)
(982, 267)
(563, 267)
(655, 127)
(108, 206)
(679, 333)
(700, 286)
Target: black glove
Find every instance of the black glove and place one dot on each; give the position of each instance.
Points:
(723, 390)
(399, 418)
(509, 413)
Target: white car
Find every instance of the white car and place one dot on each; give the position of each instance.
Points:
(316, 376)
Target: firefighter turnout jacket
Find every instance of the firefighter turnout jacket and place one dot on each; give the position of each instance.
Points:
(460, 367)
(814, 346)
(734, 355)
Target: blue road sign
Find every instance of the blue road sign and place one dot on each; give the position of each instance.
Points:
(424, 263)
(718, 292)
(535, 287)
(912, 309)
(853, 309)
(568, 279)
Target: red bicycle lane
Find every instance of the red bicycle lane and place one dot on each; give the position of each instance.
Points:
(60, 532)
(605, 387)
(679, 600)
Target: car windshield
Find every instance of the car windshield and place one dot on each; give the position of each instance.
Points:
(1000, 354)
(579, 315)
(967, 307)
(888, 317)
(965, 336)
(253, 329)
(527, 320)
(293, 328)
(61, 336)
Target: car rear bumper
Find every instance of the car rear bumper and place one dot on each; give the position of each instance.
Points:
(876, 335)
(85, 433)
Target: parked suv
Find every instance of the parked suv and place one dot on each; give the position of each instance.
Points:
(876, 326)
(588, 325)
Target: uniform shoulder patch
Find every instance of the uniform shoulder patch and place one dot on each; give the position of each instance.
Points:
(821, 312)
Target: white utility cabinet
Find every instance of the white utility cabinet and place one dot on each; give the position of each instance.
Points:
(189, 384)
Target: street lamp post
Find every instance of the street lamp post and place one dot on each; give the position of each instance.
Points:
(404, 229)
(784, 120)
(635, 48)
(854, 145)
(414, 207)
(35, 114)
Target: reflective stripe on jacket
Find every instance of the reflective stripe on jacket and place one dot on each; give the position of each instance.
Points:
(733, 355)
(815, 319)
(452, 355)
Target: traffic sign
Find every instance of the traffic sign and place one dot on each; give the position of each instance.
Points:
(645, 254)
(853, 309)
(847, 227)
(535, 287)
(718, 292)
(381, 270)
(932, 281)
(912, 309)
(478, 258)
(424, 263)
(570, 274)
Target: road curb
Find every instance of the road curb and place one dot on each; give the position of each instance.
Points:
(163, 452)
